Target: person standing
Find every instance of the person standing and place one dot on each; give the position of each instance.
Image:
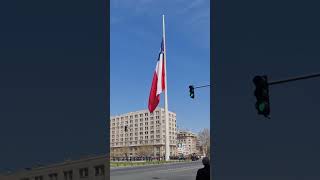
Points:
(204, 173)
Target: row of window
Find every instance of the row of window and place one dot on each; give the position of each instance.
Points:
(140, 115)
(118, 130)
(68, 175)
(146, 129)
(141, 142)
(141, 133)
(113, 126)
(141, 137)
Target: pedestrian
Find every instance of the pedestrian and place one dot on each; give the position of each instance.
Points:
(204, 173)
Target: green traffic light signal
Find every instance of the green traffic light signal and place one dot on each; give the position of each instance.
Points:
(262, 107)
(262, 95)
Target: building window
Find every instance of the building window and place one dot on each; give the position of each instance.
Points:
(83, 172)
(38, 178)
(136, 115)
(67, 175)
(53, 176)
(99, 170)
(146, 114)
(141, 115)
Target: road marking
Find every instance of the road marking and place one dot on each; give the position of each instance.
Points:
(180, 169)
(156, 171)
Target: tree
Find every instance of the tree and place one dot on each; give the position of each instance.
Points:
(204, 138)
(145, 150)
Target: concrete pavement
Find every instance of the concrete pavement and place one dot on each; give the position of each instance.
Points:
(176, 171)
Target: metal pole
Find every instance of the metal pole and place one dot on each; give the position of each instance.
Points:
(167, 144)
(295, 79)
(201, 86)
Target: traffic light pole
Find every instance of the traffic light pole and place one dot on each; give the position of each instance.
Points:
(262, 90)
(295, 79)
(201, 86)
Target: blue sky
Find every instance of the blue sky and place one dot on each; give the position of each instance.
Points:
(136, 32)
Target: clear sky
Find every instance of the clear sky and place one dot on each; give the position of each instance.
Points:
(136, 32)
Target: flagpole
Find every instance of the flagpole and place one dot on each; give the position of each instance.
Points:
(167, 144)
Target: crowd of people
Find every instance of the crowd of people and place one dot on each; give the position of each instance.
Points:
(192, 157)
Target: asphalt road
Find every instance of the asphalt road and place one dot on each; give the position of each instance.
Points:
(177, 171)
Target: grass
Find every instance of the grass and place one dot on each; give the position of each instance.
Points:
(132, 163)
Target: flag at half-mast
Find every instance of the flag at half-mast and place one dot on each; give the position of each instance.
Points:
(158, 81)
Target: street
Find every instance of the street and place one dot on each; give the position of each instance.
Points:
(176, 171)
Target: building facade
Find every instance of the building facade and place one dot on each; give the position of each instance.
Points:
(199, 147)
(92, 168)
(188, 141)
(142, 133)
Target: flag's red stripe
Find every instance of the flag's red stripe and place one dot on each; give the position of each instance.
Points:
(154, 98)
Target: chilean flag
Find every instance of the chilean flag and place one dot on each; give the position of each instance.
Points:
(158, 81)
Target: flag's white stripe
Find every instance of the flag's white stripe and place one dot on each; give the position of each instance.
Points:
(159, 74)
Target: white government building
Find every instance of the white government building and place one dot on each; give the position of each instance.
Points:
(144, 130)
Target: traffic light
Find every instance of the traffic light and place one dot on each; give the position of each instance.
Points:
(262, 95)
(191, 91)
(125, 128)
